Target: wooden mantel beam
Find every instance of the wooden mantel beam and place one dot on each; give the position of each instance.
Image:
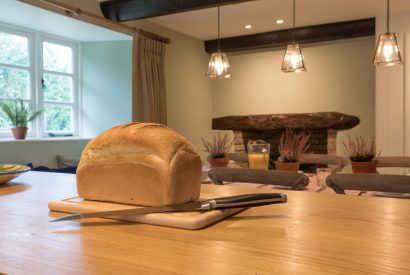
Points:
(309, 34)
(126, 10)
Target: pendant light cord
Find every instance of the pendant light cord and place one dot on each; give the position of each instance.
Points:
(219, 31)
(294, 12)
(388, 16)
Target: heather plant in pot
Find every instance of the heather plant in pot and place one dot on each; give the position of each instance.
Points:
(19, 116)
(217, 149)
(291, 147)
(362, 154)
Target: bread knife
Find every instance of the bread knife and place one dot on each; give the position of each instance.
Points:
(241, 201)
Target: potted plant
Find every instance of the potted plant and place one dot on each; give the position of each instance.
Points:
(291, 147)
(217, 150)
(362, 154)
(19, 116)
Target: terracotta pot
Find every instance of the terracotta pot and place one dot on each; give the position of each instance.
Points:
(19, 133)
(367, 167)
(219, 162)
(287, 166)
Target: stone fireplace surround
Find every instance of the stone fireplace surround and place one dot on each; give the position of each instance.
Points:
(322, 127)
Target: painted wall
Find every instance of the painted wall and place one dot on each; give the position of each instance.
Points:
(40, 152)
(393, 95)
(106, 85)
(393, 92)
(339, 77)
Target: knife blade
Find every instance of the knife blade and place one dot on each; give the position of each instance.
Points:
(241, 201)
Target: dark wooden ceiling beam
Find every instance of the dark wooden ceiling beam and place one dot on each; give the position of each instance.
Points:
(309, 34)
(126, 10)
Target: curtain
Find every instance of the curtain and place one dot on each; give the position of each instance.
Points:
(148, 80)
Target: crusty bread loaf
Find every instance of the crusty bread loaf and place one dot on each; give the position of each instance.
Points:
(141, 164)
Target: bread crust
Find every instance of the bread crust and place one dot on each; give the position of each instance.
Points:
(141, 164)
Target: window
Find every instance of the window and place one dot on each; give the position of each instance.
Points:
(15, 70)
(42, 71)
(58, 87)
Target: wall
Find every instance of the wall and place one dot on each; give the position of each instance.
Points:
(106, 85)
(40, 152)
(393, 95)
(339, 77)
(393, 92)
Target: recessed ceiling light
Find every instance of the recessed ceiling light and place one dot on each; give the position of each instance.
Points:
(280, 21)
(248, 26)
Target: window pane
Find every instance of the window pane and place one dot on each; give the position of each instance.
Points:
(57, 58)
(58, 118)
(14, 83)
(13, 49)
(5, 125)
(57, 88)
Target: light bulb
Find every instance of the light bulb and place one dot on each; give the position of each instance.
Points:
(294, 60)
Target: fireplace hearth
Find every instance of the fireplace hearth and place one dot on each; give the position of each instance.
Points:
(322, 127)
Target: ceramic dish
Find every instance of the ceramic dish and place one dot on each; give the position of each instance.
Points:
(11, 171)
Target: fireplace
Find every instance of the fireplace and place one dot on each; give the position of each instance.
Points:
(322, 127)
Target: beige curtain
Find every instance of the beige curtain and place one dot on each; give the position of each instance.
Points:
(148, 80)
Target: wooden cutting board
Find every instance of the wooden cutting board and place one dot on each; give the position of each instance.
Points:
(183, 220)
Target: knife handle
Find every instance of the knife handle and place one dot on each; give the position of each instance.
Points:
(248, 200)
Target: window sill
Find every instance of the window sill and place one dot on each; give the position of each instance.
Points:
(45, 139)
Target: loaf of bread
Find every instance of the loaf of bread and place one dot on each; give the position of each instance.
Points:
(141, 164)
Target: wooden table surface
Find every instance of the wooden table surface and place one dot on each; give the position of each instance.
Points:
(314, 233)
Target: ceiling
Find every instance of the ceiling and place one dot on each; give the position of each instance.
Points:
(262, 14)
(24, 15)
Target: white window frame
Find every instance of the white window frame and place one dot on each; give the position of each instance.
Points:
(75, 103)
(35, 41)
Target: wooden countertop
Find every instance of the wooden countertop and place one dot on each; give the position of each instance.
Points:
(314, 233)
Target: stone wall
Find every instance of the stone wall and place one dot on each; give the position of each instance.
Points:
(322, 141)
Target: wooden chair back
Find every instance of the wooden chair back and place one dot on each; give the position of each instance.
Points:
(369, 182)
(292, 180)
(393, 162)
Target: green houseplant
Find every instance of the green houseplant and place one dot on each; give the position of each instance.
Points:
(362, 154)
(291, 147)
(217, 149)
(19, 116)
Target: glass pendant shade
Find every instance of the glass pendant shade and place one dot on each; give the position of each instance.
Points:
(387, 51)
(293, 60)
(218, 66)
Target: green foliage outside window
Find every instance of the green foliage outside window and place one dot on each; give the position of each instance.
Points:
(13, 49)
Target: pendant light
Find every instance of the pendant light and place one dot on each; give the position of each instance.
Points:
(293, 61)
(387, 50)
(218, 66)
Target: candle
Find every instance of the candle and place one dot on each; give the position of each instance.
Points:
(258, 161)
